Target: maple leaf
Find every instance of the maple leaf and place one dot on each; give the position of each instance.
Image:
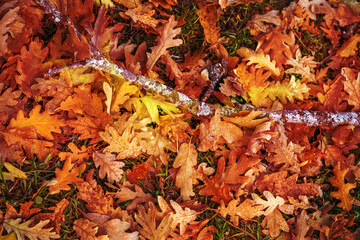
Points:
(352, 87)
(185, 161)
(108, 166)
(68, 175)
(343, 189)
(260, 59)
(23, 230)
(165, 40)
(42, 123)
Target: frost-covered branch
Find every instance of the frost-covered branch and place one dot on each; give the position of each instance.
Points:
(198, 108)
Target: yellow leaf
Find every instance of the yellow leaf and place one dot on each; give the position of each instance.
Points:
(153, 102)
(42, 123)
(283, 91)
(13, 172)
(11, 236)
(260, 59)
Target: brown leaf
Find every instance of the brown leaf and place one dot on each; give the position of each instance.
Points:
(274, 223)
(126, 193)
(165, 40)
(108, 166)
(352, 87)
(86, 229)
(27, 72)
(342, 193)
(186, 161)
(213, 133)
(208, 14)
(35, 232)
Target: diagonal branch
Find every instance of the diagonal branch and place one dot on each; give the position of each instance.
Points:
(198, 108)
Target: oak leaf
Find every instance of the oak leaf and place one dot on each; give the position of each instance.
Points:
(142, 14)
(23, 230)
(152, 104)
(108, 166)
(24, 213)
(153, 226)
(260, 59)
(209, 17)
(271, 204)
(213, 133)
(42, 123)
(76, 154)
(86, 229)
(182, 217)
(68, 175)
(186, 161)
(27, 72)
(275, 222)
(13, 173)
(246, 210)
(125, 193)
(115, 229)
(342, 193)
(29, 141)
(97, 201)
(9, 99)
(303, 66)
(165, 40)
(57, 216)
(349, 48)
(352, 87)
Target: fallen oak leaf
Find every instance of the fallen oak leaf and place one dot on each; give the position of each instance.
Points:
(42, 123)
(68, 175)
(186, 161)
(23, 230)
(87, 230)
(108, 166)
(342, 193)
(165, 40)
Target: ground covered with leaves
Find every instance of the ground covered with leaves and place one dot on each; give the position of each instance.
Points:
(175, 119)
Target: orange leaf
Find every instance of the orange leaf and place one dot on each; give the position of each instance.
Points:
(352, 87)
(342, 193)
(42, 123)
(68, 175)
